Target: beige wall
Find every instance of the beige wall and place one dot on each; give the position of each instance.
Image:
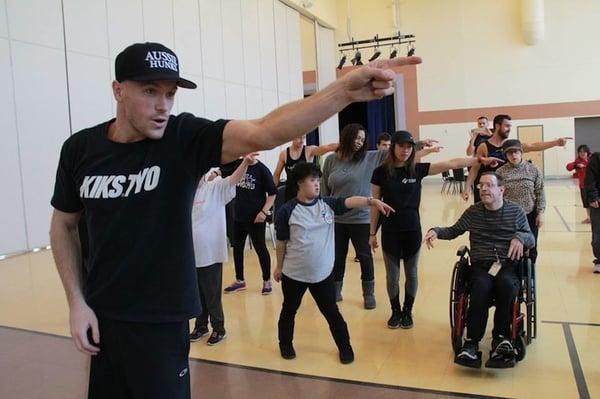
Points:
(474, 54)
(369, 17)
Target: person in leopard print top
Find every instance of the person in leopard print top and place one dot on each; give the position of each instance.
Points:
(524, 184)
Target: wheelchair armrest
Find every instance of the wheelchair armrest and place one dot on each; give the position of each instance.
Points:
(462, 251)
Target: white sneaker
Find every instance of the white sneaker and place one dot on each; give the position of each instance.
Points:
(596, 268)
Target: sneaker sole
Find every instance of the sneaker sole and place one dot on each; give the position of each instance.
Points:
(407, 327)
(218, 342)
(234, 291)
(394, 327)
(199, 337)
(267, 293)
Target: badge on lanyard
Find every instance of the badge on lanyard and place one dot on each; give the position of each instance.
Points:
(496, 266)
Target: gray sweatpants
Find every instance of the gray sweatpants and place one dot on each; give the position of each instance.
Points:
(210, 280)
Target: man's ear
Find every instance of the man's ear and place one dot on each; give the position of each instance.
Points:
(117, 89)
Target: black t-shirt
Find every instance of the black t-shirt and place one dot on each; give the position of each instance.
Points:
(251, 192)
(138, 201)
(403, 193)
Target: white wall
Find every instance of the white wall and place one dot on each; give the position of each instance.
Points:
(326, 67)
(55, 78)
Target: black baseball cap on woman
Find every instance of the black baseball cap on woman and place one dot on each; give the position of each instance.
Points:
(149, 61)
(402, 136)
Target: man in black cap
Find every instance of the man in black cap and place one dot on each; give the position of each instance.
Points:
(135, 176)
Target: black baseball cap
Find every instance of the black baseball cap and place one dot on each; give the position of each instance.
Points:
(402, 136)
(512, 145)
(149, 61)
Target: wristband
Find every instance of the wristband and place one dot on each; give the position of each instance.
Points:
(370, 201)
(479, 157)
(264, 213)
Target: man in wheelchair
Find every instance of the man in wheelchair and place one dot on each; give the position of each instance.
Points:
(499, 232)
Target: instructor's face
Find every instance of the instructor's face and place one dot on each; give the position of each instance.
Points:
(146, 106)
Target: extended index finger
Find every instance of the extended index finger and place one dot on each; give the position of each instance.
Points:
(399, 61)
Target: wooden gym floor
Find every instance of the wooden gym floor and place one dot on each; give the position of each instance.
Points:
(38, 361)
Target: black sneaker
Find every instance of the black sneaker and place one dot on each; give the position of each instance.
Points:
(502, 348)
(502, 355)
(216, 337)
(198, 333)
(469, 355)
(287, 351)
(394, 321)
(407, 321)
(347, 355)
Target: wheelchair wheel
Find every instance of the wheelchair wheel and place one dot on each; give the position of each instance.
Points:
(520, 348)
(457, 306)
(457, 343)
(530, 302)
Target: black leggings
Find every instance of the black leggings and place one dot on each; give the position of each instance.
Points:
(257, 234)
(359, 234)
(323, 293)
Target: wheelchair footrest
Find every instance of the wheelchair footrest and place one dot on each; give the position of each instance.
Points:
(472, 363)
(500, 363)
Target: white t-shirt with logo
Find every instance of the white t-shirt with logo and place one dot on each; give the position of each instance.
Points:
(209, 226)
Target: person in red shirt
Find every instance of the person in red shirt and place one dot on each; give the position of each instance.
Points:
(579, 165)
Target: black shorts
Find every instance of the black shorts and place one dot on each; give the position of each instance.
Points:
(584, 198)
(401, 244)
(141, 360)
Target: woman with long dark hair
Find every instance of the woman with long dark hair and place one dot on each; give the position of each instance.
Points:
(347, 173)
(398, 183)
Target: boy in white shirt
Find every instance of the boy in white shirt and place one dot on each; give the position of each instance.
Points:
(210, 246)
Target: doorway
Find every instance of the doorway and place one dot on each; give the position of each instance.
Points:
(533, 134)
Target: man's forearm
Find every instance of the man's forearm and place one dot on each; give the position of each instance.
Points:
(540, 146)
(284, 123)
(66, 250)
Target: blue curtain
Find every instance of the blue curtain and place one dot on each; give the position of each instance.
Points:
(380, 118)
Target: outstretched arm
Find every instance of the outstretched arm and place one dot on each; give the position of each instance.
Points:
(240, 171)
(370, 82)
(545, 145)
(429, 150)
(318, 150)
(364, 202)
(448, 233)
(459, 163)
